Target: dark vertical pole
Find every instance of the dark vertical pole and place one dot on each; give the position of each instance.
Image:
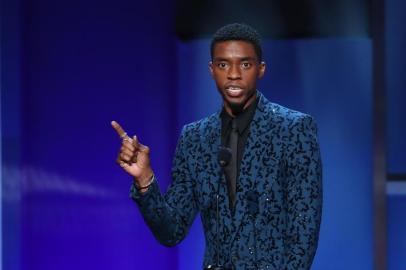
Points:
(379, 149)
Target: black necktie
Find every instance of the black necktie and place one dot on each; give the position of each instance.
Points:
(233, 163)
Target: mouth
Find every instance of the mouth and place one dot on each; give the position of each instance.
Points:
(234, 91)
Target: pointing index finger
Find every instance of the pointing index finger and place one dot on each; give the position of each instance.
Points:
(119, 129)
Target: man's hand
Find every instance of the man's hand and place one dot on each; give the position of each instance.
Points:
(133, 157)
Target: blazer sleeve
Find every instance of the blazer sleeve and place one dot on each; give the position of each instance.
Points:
(170, 216)
(303, 194)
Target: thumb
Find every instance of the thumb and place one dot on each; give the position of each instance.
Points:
(144, 149)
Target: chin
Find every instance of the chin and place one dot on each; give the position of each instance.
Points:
(237, 104)
(233, 100)
(242, 100)
(236, 108)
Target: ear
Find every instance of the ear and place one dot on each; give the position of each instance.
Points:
(211, 68)
(261, 70)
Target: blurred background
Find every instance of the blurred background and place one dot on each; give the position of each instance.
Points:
(69, 67)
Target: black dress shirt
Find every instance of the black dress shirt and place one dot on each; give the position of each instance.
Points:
(243, 121)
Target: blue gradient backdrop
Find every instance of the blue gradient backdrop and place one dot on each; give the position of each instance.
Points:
(73, 66)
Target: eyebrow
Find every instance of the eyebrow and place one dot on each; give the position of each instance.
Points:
(219, 59)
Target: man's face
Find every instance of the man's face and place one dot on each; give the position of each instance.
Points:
(236, 69)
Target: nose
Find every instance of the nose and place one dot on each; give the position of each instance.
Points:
(234, 73)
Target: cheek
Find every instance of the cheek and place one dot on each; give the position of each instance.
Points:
(252, 78)
(218, 78)
(214, 74)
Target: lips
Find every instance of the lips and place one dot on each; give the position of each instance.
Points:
(234, 91)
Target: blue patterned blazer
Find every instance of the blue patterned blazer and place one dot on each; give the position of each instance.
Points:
(281, 164)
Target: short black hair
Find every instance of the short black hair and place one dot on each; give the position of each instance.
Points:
(237, 31)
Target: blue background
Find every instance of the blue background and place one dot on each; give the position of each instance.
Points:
(70, 67)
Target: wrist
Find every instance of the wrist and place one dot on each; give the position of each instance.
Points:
(144, 187)
(144, 179)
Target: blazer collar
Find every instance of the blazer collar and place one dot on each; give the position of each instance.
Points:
(213, 130)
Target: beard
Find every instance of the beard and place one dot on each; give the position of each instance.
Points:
(236, 108)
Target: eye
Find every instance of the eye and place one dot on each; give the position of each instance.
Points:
(246, 65)
(222, 65)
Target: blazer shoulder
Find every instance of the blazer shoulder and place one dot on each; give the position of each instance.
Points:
(288, 116)
(200, 127)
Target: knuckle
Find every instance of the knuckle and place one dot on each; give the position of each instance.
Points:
(129, 148)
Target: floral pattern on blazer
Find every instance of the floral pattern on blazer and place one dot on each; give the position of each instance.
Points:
(281, 165)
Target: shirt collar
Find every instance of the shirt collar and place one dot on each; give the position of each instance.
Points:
(243, 119)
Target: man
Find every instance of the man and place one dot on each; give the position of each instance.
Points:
(268, 211)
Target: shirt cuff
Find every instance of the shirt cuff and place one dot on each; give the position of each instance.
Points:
(137, 196)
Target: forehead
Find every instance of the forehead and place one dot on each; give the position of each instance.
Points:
(234, 49)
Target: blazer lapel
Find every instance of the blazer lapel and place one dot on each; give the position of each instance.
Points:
(212, 139)
(252, 162)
